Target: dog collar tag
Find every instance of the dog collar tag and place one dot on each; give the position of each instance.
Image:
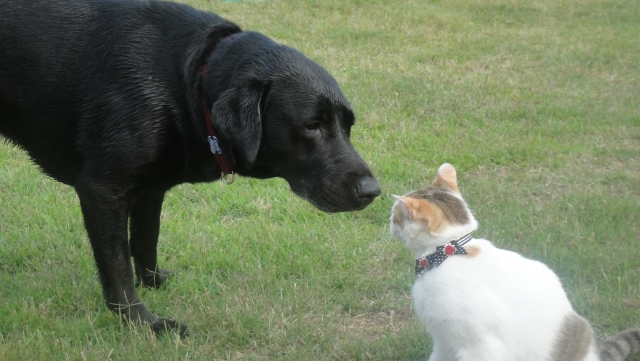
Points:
(213, 145)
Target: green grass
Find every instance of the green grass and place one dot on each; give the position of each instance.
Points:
(537, 104)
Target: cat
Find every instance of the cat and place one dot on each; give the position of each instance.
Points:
(482, 303)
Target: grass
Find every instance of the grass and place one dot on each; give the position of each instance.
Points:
(535, 102)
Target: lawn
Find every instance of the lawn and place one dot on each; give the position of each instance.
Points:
(536, 103)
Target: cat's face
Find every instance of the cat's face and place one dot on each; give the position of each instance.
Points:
(433, 215)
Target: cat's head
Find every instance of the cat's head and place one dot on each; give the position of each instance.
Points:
(433, 215)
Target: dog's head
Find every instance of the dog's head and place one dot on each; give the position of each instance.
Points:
(283, 115)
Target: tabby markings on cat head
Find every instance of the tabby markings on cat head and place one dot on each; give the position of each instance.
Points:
(432, 216)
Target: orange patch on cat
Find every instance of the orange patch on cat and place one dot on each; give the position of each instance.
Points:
(472, 251)
(429, 214)
(434, 219)
(424, 212)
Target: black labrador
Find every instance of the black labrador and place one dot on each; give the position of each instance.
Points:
(124, 99)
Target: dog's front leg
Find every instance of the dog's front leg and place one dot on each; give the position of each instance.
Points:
(106, 212)
(144, 230)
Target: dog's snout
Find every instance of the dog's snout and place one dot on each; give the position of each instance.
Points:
(368, 187)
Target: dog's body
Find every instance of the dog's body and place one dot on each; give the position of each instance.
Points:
(108, 96)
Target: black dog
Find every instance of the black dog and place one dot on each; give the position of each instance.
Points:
(111, 97)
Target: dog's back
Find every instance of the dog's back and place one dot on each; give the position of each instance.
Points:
(78, 60)
(38, 61)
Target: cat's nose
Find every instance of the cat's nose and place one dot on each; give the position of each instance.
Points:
(368, 187)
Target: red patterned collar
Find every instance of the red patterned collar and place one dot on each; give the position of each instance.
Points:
(435, 258)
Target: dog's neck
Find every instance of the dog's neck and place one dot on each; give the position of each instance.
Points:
(228, 176)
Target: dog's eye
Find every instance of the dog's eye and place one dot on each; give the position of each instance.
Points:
(315, 126)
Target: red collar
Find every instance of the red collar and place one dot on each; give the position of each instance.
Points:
(227, 173)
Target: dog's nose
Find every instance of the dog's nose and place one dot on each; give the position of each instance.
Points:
(368, 187)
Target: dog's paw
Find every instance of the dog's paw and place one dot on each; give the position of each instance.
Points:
(152, 279)
(163, 326)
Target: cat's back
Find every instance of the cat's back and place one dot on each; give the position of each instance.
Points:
(517, 279)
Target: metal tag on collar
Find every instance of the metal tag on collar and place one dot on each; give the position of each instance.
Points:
(213, 145)
(228, 178)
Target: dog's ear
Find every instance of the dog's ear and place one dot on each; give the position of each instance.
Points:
(237, 115)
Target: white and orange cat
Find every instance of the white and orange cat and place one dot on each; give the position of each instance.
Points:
(482, 303)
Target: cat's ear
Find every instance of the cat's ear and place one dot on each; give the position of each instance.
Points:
(403, 206)
(446, 178)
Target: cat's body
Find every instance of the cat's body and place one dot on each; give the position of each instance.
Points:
(463, 301)
(490, 304)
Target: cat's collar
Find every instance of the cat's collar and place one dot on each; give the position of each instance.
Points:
(435, 258)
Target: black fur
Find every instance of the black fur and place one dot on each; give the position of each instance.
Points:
(105, 96)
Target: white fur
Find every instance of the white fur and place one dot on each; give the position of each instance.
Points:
(494, 306)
